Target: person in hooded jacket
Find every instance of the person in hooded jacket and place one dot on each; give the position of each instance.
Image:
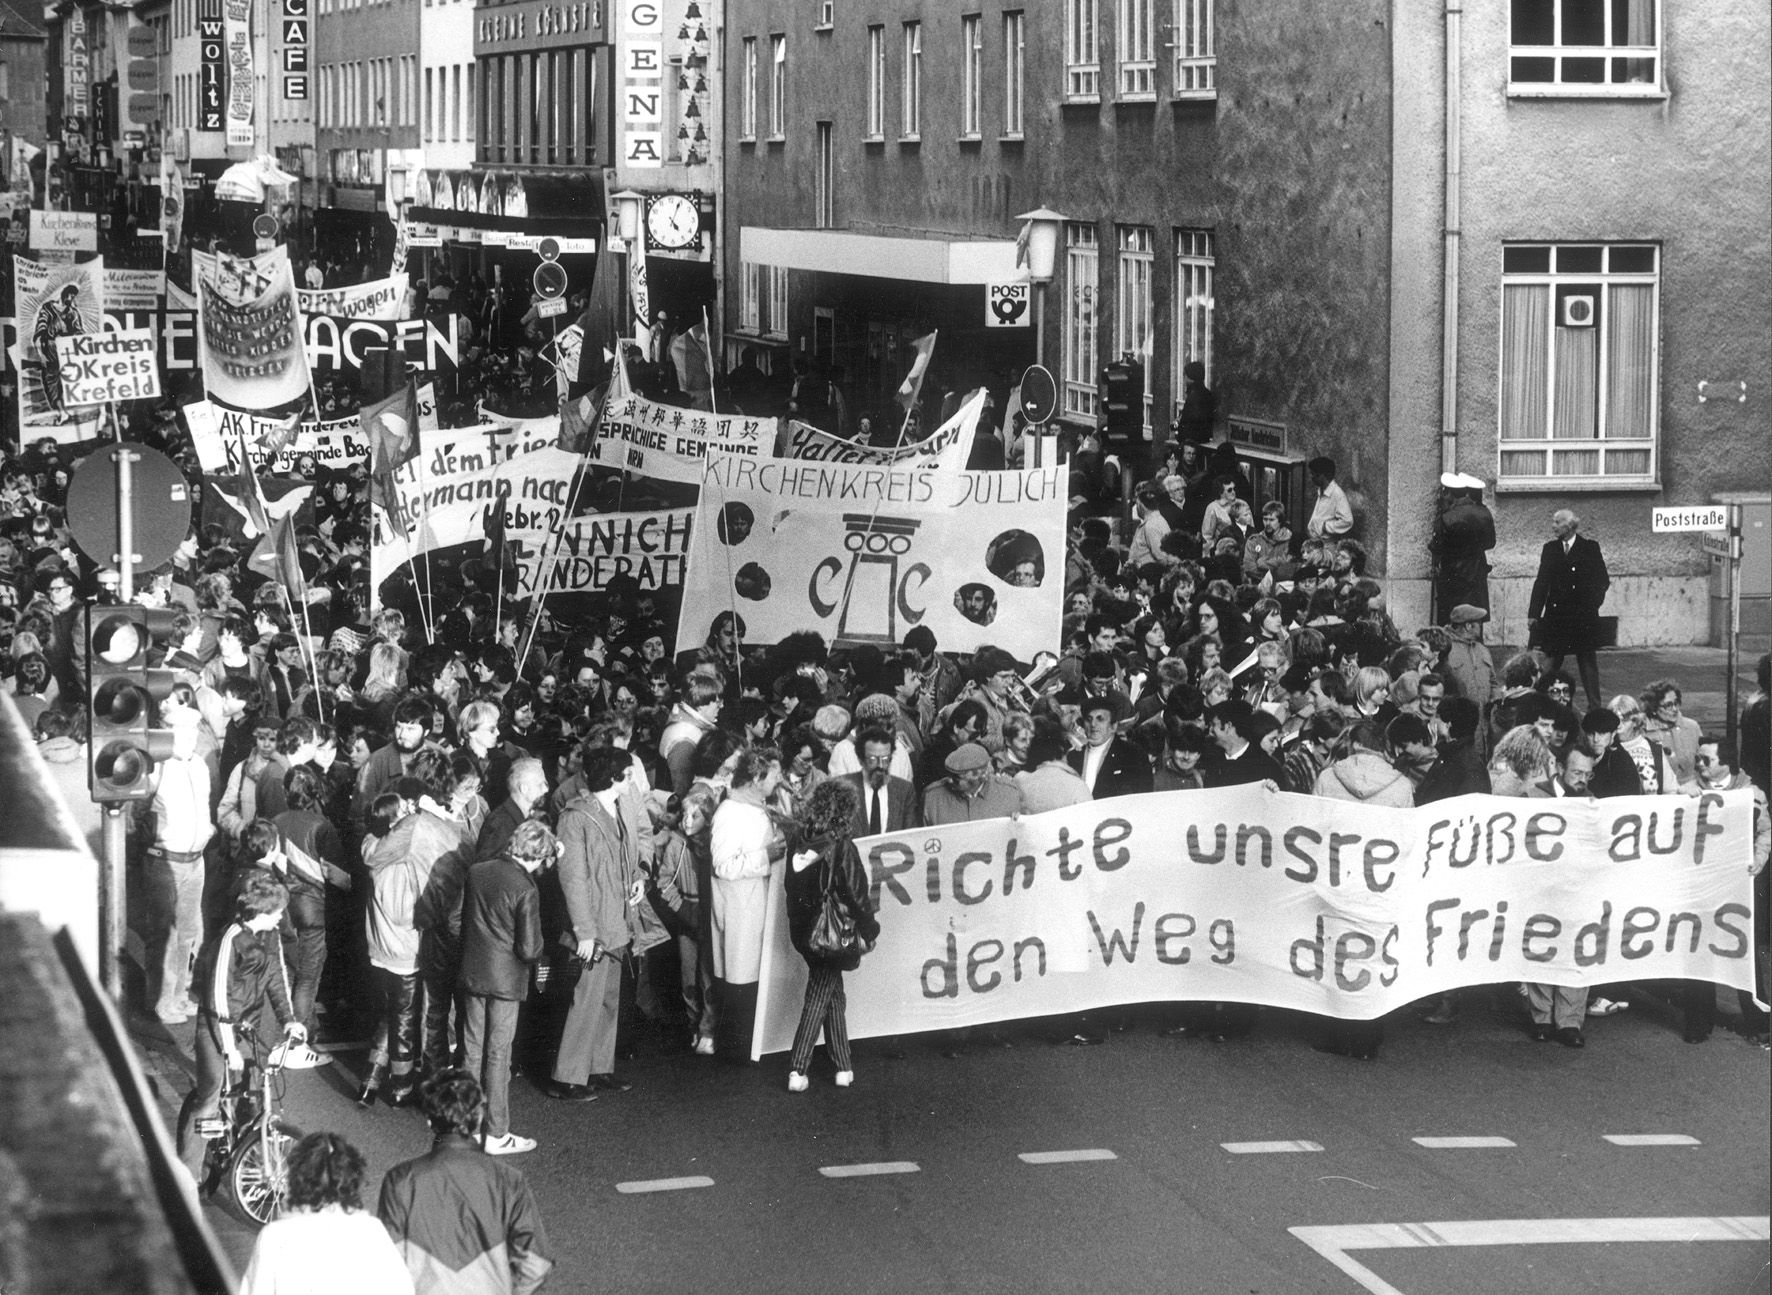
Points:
(1364, 774)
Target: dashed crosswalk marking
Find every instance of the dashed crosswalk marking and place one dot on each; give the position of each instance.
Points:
(864, 1171)
(1334, 1243)
(1268, 1148)
(1463, 1144)
(664, 1185)
(1652, 1140)
(1064, 1157)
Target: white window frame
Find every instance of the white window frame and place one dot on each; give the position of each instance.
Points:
(776, 280)
(1196, 50)
(1082, 323)
(778, 87)
(824, 174)
(1082, 52)
(1134, 300)
(876, 82)
(747, 91)
(1196, 265)
(1014, 71)
(910, 115)
(972, 76)
(1614, 53)
(1513, 453)
(827, 15)
(750, 293)
(1136, 49)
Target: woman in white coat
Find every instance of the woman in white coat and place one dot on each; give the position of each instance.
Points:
(744, 840)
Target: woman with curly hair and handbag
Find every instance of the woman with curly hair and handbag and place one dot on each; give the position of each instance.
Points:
(831, 921)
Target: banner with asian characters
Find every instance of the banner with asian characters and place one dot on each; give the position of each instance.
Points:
(591, 551)
(670, 443)
(1249, 896)
(862, 554)
(381, 299)
(949, 446)
(251, 346)
(52, 301)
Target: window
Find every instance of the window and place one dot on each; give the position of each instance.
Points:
(1196, 63)
(775, 323)
(911, 104)
(876, 83)
(467, 104)
(1193, 304)
(1132, 318)
(1138, 38)
(429, 103)
(1081, 358)
(455, 100)
(750, 306)
(747, 90)
(1082, 73)
(827, 14)
(1579, 362)
(1597, 47)
(778, 87)
(971, 73)
(823, 180)
(1014, 56)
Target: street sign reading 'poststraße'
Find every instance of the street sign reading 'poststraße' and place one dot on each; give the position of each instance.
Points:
(1702, 517)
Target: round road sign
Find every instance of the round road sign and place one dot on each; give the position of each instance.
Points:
(161, 506)
(264, 225)
(548, 249)
(1039, 395)
(549, 280)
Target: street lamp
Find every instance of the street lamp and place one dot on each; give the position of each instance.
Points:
(628, 205)
(1040, 230)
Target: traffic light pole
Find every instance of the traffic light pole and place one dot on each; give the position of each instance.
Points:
(113, 868)
(125, 519)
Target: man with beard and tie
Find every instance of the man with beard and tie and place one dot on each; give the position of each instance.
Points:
(887, 804)
(386, 766)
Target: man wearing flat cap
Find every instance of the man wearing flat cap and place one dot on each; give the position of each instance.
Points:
(1464, 532)
(972, 790)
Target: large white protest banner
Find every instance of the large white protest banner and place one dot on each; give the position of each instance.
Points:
(591, 551)
(670, 443)
(1251, 896)
(332, 443)
(862, 554)
(380, 299)
(251, 346)
(444, 490)
(53, 301)
(948, 447)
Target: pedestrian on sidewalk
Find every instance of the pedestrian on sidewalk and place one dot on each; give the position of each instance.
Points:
(1564, 610)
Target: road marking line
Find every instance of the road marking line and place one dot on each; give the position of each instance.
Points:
(664, 1185)
(1268, 1148)
(1064, 1157)
(1462, 1144)
(863, 1171)
(1333, 1243)
(1652, 1140)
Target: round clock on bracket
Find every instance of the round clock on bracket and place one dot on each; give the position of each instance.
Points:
(672, 221)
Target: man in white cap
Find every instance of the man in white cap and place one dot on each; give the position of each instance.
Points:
(1464, 532)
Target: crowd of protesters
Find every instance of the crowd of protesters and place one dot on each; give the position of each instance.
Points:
(471, 850)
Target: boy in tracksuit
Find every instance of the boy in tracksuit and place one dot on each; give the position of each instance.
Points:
(238, 973)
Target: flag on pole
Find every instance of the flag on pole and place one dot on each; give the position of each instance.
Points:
(690, 357)
(911, 389)
(1021, 243)
(172, 201)
(637, 288)
(250, 494)
(391, 427)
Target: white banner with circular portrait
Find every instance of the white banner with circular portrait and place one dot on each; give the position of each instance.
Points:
(862, 554)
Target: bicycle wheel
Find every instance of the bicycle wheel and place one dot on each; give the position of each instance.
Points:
(257, 1174)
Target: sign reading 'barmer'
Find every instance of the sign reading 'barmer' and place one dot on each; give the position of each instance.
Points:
(98, 368)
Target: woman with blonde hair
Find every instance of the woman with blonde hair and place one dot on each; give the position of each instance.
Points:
(1372, 695)
(1655, 768)
(385, 682)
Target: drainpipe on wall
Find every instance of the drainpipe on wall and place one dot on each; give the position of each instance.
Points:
(1449, 250)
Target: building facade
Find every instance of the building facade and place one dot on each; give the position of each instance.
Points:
(367, 97)
(23, 80)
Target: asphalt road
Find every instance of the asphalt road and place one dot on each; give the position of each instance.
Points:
(1158, 1203)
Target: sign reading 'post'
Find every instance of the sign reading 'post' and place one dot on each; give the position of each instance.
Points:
(1706, 517)
(100, 368)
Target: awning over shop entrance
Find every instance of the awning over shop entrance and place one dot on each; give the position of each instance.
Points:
(936, 259)
(565, 204)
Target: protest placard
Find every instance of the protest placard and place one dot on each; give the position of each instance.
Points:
(669, 443)
(52, 301)
(104, 367)
(251, 350)
(380, 299)
(592, 550)
(444, 490)
(1251, 896)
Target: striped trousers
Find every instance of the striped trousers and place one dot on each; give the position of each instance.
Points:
(824, 1007)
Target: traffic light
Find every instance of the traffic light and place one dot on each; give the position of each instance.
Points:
(123, 742)
(1123, 389)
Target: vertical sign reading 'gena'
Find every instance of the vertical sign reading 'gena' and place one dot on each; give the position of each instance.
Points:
(642, 90)
(211, 62)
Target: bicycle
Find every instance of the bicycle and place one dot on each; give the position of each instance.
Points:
(249, 1141)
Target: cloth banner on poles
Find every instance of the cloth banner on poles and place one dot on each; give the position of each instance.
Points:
(52, 301)
(442, 492)
(381, 299)
(251, 350)
(336, 344)
(670, 443)
(333, 443)
(1250, 896)
(948, 447)
(861, 554)
(593, 550)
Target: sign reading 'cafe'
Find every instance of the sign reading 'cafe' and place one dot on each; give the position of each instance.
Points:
(538, 24)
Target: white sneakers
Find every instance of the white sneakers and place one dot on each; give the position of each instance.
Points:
(704, 1045)
(297, 1056)
(797, 1082)
(845, 1078)
(1606, 1007)
(511, 1144)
